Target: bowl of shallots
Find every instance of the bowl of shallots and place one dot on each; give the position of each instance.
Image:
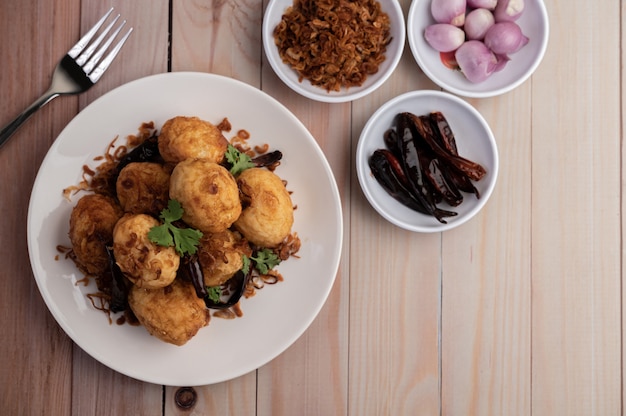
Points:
(478, 48)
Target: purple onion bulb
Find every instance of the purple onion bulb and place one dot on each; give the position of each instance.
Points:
(482, 4)
(449, 11)
(477, 23)
(508, 10)
(444, 37)
(476, 61)
(505, 38)
(501, 61)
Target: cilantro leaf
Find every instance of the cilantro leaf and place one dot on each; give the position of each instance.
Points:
(239, 161)
(173, 212)
(214, 293)
(245, 268)
(185, 240)
(265, 260)
(160, 234)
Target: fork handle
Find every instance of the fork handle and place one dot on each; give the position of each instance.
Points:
(8, 130)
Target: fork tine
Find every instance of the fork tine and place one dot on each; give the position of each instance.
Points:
(80, 45)
(69, 77)
(97, 73)
(93, 61)
(89, 51)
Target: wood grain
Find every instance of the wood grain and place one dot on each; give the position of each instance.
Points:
(576, 304)
(486, 283)
(518, 312)
(36, 356)
(313, 373)
(103, 391)
(395, 295)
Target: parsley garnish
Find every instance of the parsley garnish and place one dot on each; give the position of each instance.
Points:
(265, 260)
(167, 234)
(214, 293)
(239, 161)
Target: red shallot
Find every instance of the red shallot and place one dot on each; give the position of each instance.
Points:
(444, 37)
(476, 60)
(508, 10)
(449, 11)
(482, 4)
(476, 36)
(505, 37)
(477, 23)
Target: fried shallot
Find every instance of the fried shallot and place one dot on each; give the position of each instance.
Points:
(333, 43)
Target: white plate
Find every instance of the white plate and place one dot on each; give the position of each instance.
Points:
(275, 317)
(273, 16)
(475, 142)
(534, 24)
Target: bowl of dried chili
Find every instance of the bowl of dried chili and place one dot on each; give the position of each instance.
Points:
(427, 161)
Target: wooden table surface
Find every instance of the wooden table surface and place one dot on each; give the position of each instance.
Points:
(517, 312)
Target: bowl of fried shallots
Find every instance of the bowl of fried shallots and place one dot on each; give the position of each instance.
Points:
(427, 161)
(333, 51)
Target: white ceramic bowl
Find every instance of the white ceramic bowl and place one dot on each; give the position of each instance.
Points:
(273, 15)
(475, 142)
(534, 24)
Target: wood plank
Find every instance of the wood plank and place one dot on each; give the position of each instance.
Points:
(517, 312)
(575, 237)
(235, 397)
(146, 51)
(35, 354)
(395, 290)
(202, 40)
(218, 37)
(311, 376)
(98, 390)
(235, 60)
(623, 198)
(486, 282)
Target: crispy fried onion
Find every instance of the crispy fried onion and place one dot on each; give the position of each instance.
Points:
(333, 43)
(99, 179)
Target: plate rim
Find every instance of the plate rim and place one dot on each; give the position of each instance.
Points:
(337, 237)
